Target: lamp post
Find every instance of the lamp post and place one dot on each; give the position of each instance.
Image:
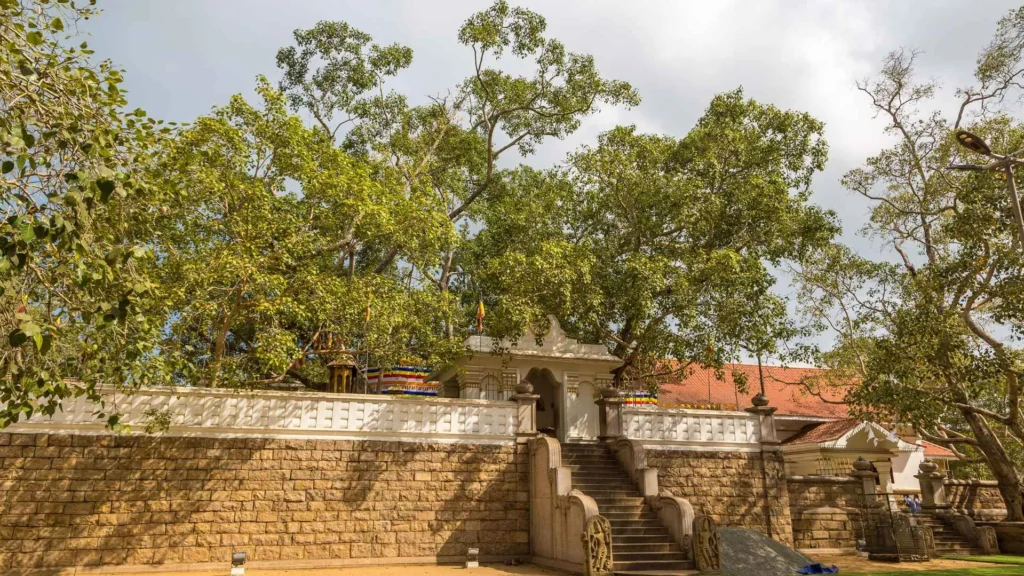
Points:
(1001, 164)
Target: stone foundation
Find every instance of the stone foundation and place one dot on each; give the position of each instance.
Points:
(826, 512)
(105, 500)
(729, 487)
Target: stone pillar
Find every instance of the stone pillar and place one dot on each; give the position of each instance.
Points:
(527, 402)
(862, 471)
(766, 419)
(775, 492)
(933, 487)
(610, 420)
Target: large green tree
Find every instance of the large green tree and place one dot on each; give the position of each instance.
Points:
(932, 335)
(73, 294)
(661, 247)
(251, 207)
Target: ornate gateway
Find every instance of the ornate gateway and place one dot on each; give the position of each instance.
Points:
(707, 547)
(597, 546)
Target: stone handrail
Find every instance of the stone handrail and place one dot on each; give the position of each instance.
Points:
(558, 513)
(674, 512)
(214, 412)
(692, 429)
(984, 537)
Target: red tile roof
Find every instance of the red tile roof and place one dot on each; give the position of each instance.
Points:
(824, 432)
(936, 451)
(786, 388)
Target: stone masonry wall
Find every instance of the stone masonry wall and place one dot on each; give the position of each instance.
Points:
(729, 486)
(106, 500)
(826, 512)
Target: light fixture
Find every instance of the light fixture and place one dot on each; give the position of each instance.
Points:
(973, 142)
(238, 564)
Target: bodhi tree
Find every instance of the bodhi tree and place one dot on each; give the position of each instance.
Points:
(448, 149)
(74, 297)
(932, 336)
(660, 247)
(250, 205)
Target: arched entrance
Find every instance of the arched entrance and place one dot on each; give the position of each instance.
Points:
(549, 405)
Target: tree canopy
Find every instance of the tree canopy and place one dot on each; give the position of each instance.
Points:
(932, 336)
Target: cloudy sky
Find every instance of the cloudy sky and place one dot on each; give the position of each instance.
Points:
(185, 56)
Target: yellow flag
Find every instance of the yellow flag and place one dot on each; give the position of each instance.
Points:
(480, 313)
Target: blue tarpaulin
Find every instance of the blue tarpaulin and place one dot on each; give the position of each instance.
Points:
(818, 569)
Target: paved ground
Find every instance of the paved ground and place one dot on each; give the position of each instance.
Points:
(847, 565)
(487, 570)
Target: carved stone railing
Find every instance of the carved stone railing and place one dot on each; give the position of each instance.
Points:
(558, 513)
(213, 412)
(892, 537)
(984, 537)
(674, 512)
(691, 429)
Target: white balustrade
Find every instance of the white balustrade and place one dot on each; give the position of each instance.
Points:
(229, 413)
(691, 429)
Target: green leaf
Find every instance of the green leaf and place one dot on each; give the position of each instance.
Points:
(56, 24)
(106, 189)
(17, 338)
(34, 38)
(7, 166)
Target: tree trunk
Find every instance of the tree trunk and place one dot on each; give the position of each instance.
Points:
(999, 463)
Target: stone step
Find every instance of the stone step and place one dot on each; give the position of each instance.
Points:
(652, 566)
(655, 572)
(643, 547)
(627, 515)
(606, 492)
(641, 555)
(625, 509)
(625, 530)
(617, 501)
(664, 538)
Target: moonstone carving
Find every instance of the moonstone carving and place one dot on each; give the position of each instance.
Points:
(597, 546)
(707, 548)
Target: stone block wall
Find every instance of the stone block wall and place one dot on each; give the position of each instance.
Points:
(976, 498)
(729, 486)
(106, 500)
(826, 512)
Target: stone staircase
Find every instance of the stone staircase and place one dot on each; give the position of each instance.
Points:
(948, 542)
(641, 545)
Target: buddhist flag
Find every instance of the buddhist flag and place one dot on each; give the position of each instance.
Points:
(480, 313)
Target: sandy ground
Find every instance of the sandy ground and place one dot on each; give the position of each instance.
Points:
(486, 570)
(847, 565)
(853, 564)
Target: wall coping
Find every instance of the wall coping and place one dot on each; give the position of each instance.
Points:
(822, 479)
(983, 483)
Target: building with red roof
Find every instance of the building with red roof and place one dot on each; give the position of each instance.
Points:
(818, 436)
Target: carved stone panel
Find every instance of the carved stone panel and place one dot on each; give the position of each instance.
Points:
(707, 547)
(987, 540)
(597, 546)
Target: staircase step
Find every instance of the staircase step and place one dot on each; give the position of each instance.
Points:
(617, 501)
(643, 548)
(655, 572)
(651, 565)
(640, 531)
(665, 538)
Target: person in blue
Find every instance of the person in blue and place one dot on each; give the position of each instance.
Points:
(917, 505)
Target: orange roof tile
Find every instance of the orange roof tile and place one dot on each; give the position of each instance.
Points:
(824, 432)
(786, 388)
(936, 451)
